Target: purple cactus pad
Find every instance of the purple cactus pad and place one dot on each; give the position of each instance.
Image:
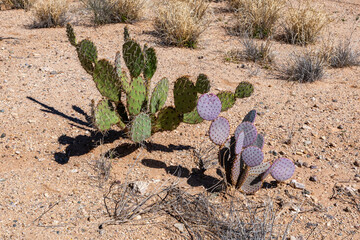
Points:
(209, 106)
(250, 133)
(239, 142)
(282, 169)
(219, 130)
(259, 169)
(251, 184)
(252, 156)
(235, 170)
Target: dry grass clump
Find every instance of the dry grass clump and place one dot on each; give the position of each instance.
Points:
(181, 22)
(343, 55)
(16, 4)
(253, 51)
(256, 17)
(49, 13)
(304, 68)
(303, 24)
(115, 11)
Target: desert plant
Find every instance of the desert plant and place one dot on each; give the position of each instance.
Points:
(144, 113)
(343, 55)
(181, 22)
(49, 13)
(256, 17)
(16, 4)
(115, 11)
(252, 51)
(303, 24)
(241, 155)
(307, 67)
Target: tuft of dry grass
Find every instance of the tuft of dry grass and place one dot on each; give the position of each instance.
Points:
(253, 51)
(343, 55)
(257, 18)
(16, 4)
(49, 13)
(303, 24)
(181, 22)
(304, 68)
(115, 11)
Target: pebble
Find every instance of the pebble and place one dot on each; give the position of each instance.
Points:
(313, 167)
(305, 164)
(74, 170)
(340, 127)
(307, 142)
(139, 186)
(2, 110)
(356, 163)
(299, 163)
(297, 185)
(179, 226)
(311, 225)
(313, 178)
(3, 135)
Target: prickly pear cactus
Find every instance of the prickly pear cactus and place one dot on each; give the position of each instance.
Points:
(128, 100)
(241, 155)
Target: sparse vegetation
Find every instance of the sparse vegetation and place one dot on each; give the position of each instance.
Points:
(343, 55)
(307, 67)
(253, 51)
(49, 13)
(115, 11)
(181, 22)
(303, 24)
(16, 4)
(256, 17)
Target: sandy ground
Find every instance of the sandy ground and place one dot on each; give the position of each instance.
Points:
(50, 190)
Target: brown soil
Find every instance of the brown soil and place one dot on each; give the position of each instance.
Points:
(48, 149)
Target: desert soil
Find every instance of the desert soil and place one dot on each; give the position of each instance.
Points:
(49, 188)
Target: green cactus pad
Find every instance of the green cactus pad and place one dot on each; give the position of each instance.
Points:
(141, 128)
(202, 84)
(126, 34)
(159, 95)
(185, 95)
(133, 57)
(227, 99)
(136, 96)
(244, 89)
(150, 62)
(118, 64)
(87, 54)
(70, 34)
(168, 119)
(105, 116)
(192, 117)
(106, 80)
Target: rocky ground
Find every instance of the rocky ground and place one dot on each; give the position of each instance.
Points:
(50, 185)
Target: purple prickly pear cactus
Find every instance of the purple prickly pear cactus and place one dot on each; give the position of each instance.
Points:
(259, 142)
(219, 130)
(209, 106)
(260, 169)
(235, 170)
(239, 143)
(282, 169)
(250, 133)
(252, 156)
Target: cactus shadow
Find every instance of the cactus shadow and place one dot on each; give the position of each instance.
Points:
(194, 177)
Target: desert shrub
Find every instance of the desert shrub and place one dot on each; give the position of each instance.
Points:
(307, 67)
(49, 13)
(181, 22)
(16, 4)
(343, 55)
(303, 24)
(255, 52)
(256, 17)
(115, 11)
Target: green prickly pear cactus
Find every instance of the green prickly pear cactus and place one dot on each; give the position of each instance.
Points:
(127, 100)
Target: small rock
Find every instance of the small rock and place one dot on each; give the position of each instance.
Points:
(347, 209)
(313, 179)
(1, 110)
(274, 153)
(17, 152)
(311, 225)
(334, 100)
(138, 217)
(323, 138)
(305, 164)
(282, 153)
(3, 135)
(139, 186)
(306, 127)
(307, 142)
(297, 185)
(180, 226)
(298, 163)
(313, 167)
(292, 238)
(332, 144)
(356, 163)
(340, 127)
(299, 153)
(2, 180)
(74, 170)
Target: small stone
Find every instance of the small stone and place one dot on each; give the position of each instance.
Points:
(305, 164)
(299, 153)
(138, 217)
(17, 152)
(139, 186)
(292, 238)
(298, 163)
(313, 179)
(347, 209)
(334, 100)
(332, 144)
(74, 170)
(307, 142)
(3, 135)
(2, 180)
(282, 153)
(323, 138)
(313, 167)
(297, 185)
(311, 225)
(340, 127)
(356, 163)
(274, 153)
(306, 127)
(2, 110)
(179, 226)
